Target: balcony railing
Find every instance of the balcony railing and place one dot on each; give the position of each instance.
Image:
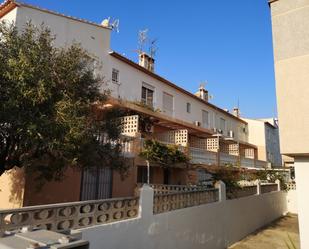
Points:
(247, 162)
(133, 146)
(227, 159)
(200, 156)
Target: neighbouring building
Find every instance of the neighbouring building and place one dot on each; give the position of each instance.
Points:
(290, 24)
(209, 135)
(264, 133)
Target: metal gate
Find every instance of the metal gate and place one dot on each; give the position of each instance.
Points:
(96, 184)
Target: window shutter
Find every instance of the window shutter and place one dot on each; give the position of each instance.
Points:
(168, 105)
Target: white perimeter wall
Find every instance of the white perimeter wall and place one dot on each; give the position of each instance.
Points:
(292, 201)
(213, 226)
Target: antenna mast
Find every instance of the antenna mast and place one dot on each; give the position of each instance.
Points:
(153, 48)
(142, 39)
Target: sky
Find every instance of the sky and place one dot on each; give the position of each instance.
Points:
(226, 43)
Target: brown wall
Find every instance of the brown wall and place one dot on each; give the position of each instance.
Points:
(158, 175)
(124, 186)
(67, 190)
(178, 176)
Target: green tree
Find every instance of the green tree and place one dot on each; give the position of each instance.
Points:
(48, 119)
(164, 155)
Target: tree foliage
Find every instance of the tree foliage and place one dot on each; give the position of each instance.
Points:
(232, 176)
(48, 120)
(164, 155)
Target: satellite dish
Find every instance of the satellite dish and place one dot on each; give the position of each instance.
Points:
(105, 22)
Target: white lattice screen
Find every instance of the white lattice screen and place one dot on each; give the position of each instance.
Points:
(249, 153)
(234, 149)
(212, 144)
(181, 137)
(129, 125)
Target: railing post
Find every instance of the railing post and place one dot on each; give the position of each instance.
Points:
(279, 184)
(258, 187)
(146, 201)
(222, 190)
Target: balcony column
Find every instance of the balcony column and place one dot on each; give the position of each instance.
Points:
(255, 156)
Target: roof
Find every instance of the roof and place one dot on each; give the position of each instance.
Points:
(264, 121)
(169, 83)
(272, 1)
(9, 5)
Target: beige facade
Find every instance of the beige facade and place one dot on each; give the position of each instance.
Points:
(264, 133)
(290, 23)
(290, 20)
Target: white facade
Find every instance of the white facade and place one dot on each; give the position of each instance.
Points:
(132, 80)
(96, 40)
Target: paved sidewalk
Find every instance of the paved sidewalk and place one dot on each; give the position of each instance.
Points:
(274, 236)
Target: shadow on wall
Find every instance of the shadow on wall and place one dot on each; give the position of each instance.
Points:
(65, 190)
(17, 178)
(12, 184)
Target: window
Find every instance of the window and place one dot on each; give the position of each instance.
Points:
(115, 76)
(147, 95)
(222, 124)
(168, 103)
(188, 108)
(205, 118)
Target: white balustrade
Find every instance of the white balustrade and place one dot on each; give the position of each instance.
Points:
(172, 201)
(65, 216)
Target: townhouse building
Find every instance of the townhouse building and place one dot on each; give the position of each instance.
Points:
(209, 135)
(264, 133)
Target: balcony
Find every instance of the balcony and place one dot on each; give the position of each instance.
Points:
(201, 151)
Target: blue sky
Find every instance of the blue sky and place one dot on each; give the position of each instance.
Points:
(226, 43)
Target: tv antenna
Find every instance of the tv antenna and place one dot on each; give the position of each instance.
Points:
(142, 39)
(153, 48)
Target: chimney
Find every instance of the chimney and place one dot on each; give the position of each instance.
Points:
(202, 93)
(236, 112)
(146, 61)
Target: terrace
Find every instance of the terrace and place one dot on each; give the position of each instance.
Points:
(202, 146)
